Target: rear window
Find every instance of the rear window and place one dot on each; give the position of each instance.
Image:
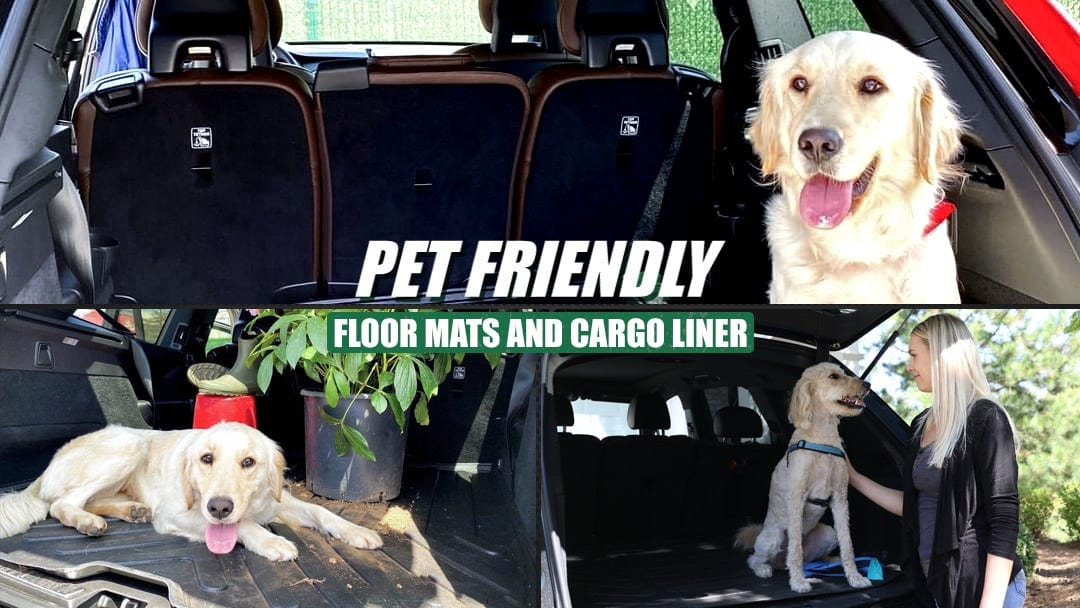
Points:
(608, 418)
(451, 21)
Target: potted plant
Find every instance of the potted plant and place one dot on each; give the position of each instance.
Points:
(357, 417)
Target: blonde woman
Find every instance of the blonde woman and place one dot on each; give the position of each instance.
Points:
(959, 504)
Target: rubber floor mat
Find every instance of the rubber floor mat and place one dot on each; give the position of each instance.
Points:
(448, 542)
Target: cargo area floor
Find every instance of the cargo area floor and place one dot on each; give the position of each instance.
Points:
(448, 541)
(702, 574)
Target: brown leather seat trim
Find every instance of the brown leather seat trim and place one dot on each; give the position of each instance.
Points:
(419, 62)
(567, 26)
(487, 14)
(85, 114)
(260, 25)
(436, 77)
(542, 86)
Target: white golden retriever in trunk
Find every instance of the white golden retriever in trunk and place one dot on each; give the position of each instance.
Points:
(218, 485)
(860, 136)
(808, 480)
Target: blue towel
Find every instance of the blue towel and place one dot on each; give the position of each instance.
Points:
(868, 566)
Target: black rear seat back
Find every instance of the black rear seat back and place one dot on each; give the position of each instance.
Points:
(580, 466)
(209, 177)
(752, 463)
(643, 478)
(600, 129)
(420, 148)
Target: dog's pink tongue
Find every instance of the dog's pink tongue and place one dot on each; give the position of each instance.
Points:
(824, 203)
(221, 538)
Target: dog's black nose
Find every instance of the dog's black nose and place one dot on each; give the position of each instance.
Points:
(820, 145)
(219, 507)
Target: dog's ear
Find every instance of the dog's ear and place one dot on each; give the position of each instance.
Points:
(799, 412)
(937, 129)
(185, 481)
(764, 130)
(275, 473)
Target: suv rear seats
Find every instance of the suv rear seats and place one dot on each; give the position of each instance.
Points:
(643, 478)
(752, 463)
(579, 479)
(220, 202)
(505, 19)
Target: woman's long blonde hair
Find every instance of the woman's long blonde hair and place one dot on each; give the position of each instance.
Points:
(957, 381)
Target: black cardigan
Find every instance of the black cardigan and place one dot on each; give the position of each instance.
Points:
(978, 511)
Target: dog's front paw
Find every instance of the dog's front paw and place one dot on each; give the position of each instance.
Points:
(276, 549)
(361, 537)
(859, 581)
(762, 570)
(91, 525)
(799, 584)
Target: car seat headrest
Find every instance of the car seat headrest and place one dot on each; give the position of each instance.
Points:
(648, 411)
(607, 32)
(231, 32)
(737, 423)
(505, 19)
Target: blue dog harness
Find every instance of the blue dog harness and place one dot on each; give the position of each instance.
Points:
(803, 444)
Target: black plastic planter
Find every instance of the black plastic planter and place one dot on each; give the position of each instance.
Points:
(352, 477)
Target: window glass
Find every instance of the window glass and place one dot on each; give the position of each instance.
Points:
(221, 330)
(143, 323)
(695, 38)
(453, 21)
(608, 419)
(833, 16)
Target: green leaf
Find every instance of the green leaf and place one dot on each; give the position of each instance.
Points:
(441, 366)
(493, 359)
(352, 363)
(328, 418)
(295, 346)
(330, 388)
(405, 382)
(379, 401)
(341, 445)
(316, 333)
(286, 320)
(399, 412)
(421, 411)
(358, 443)
(342, 382)
(385, 379)
(309, 353)
(266, 372)
(427, 378)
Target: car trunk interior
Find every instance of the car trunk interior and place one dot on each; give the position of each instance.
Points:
(649, 520)
(453, 537)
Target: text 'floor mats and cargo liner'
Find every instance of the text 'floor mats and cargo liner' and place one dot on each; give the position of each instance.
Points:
(435, 554)
(703, 574)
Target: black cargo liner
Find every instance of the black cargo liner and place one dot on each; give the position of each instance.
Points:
(436, 553)
(706, 574)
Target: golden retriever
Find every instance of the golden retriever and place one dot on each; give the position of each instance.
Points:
(806, 480)
(218, 485)
(860, 136)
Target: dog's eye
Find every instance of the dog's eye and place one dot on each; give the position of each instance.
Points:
(800, 84)
(834, 376)
(208, 458)
(247, 463)
(871, 86)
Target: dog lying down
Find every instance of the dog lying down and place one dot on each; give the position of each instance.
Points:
(860, 137)
(218, 486)
(811, 477)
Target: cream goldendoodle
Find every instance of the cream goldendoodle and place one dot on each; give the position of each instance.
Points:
(810, 478)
